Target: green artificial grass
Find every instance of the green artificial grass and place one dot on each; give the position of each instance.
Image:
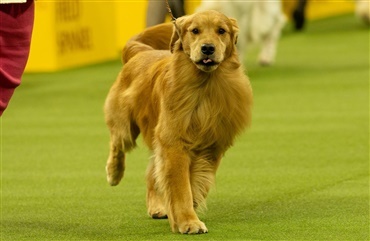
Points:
(300, 173)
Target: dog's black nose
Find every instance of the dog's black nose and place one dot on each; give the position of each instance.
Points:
(208, 49)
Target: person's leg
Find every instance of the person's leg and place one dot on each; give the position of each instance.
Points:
(15, 31)
(156, 12)
(178, 8)
(299, 15)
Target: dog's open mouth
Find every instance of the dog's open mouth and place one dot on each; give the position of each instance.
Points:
(207, 62)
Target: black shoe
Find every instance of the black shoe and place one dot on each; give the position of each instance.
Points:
(299, 19)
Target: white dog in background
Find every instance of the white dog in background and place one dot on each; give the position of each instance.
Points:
(259, 22)
(362, 10)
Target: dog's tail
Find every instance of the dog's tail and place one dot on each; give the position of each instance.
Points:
(156, 37)
(132, 48)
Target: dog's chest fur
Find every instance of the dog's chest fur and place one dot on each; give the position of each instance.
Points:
(207, 112)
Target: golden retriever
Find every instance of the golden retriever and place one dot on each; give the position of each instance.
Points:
(189, 103)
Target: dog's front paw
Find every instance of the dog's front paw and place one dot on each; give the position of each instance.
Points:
(265, 59)
(195, 227)
(265, 62)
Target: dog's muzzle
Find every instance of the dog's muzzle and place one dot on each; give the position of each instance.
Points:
(208, 51)
(207, 60)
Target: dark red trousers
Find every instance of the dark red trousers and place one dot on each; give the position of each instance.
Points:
(16, 23)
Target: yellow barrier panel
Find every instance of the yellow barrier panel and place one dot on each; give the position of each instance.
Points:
(72, 33)
(130, 18)
(78, 32)
(317, 9)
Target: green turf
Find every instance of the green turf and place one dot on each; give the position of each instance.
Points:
(300, 173)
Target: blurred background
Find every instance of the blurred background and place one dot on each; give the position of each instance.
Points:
(77, 33)
(301, 172)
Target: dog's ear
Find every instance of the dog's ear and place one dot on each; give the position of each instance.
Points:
(175, 38)
(178, 30)
(235, 29)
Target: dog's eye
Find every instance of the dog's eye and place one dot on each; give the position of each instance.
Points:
(195, 31)
(221, 31)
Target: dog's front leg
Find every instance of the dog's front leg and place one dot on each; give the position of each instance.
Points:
(270, 42)
(173, 178)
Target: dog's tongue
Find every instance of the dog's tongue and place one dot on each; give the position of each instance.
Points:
(207, 61)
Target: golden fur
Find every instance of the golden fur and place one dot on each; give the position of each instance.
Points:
(189, 104)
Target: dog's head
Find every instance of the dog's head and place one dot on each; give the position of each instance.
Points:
(208, 38)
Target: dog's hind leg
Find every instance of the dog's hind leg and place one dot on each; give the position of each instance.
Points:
(123, 134)
(202, 176)
(116, 161)
(154, 199)
(270, 42)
